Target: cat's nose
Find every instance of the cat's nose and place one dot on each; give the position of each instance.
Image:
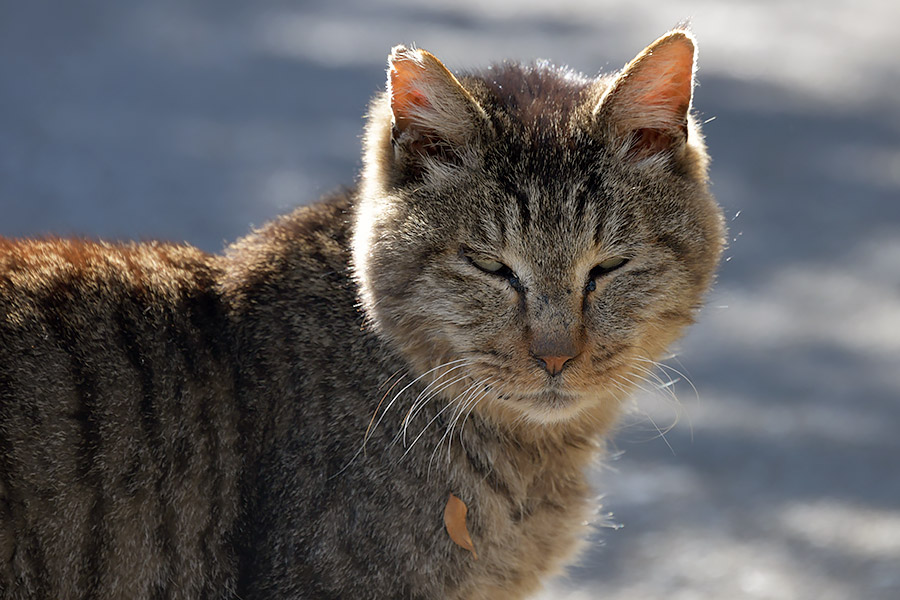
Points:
(554, 350)
(554, 364)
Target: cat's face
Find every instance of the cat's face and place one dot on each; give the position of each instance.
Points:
(519, 229)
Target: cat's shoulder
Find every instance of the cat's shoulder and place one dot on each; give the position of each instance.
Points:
(311, 239)
(297, 264)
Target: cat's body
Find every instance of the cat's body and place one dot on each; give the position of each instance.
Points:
(145, 403)
(119, 428)
(273, 423)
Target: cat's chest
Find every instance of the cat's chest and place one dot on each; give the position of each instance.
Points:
(522, 533)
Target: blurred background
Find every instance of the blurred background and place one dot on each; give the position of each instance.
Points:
(781, 479)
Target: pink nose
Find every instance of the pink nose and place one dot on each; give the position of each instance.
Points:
(554, 364)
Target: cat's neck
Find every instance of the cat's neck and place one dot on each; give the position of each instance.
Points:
(540, 450)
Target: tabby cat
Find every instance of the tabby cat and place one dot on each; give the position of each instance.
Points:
(393, 393)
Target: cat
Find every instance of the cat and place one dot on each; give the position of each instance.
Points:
(392, 393)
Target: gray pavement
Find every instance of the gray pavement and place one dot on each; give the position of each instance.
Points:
(781, 479)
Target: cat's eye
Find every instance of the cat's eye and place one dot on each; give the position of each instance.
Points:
(486, 264)
(494, 267)
(604, 267)
(611, 264)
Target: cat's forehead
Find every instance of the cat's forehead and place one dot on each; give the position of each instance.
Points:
(538, 96)
(541, 115)
(553, 227)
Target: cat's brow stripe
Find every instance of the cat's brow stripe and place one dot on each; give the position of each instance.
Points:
(500, 219)
(580, 203)
(601, 212)
(524, 210)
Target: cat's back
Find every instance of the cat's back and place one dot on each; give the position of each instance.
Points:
(39, 277)
(117, 427)
(90, 300)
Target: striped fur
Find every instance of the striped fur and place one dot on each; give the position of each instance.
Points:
(119, 428)
(288, 420)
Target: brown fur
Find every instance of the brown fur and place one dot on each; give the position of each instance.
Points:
(288, 420)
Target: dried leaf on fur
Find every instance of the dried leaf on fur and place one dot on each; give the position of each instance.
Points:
(455, 521)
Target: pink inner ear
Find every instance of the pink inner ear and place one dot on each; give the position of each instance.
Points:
(665, 78)
(405, 98)
(649, 142)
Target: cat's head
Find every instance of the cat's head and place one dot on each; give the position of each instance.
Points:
(540, 233)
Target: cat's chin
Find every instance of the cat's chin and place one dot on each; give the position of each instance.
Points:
(551, 406)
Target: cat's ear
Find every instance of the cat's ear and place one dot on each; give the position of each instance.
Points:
(646, 107)
(431, 111)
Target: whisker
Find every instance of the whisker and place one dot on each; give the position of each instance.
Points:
(448, 434)
(427, 425)
(660, 385)
(380, 402)
(384, 383)
(370, 429)
(635, 383)
(680, 376)
(474, 405)
(421, 400)
(662, 432)
(407, 386)
(462, 394)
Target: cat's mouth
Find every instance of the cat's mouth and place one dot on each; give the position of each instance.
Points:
(537, 396)
(549, 405)
(555, 398)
